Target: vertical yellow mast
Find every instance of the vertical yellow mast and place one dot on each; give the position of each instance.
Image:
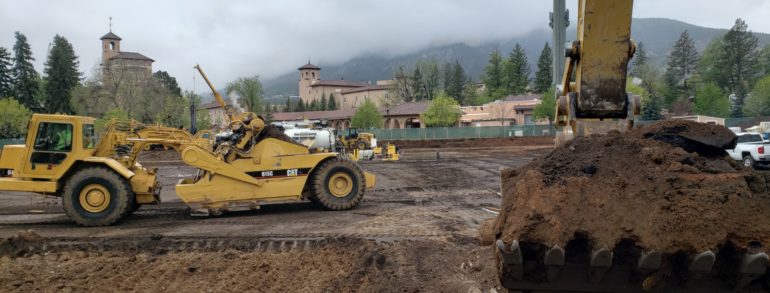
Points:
(229, 112)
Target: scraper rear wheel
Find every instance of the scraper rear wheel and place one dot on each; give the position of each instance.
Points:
(337, 184)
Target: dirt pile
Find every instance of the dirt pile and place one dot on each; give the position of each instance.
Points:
(668, 186)
(20, 244)
(341, 265)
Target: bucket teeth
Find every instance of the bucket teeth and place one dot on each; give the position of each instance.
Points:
(753, 266)
(703, 262)
(601, 260)
(511, 259)
(554, 261)
(650, 261)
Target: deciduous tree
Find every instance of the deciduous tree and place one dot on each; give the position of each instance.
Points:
(710, 100)
(443, 111)
(758, 102)
(366, 116)
(13, 118)
(249, 91)
(547, 107)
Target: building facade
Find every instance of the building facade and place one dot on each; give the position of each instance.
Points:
(118, 65)
(347, 94)
(512, 110)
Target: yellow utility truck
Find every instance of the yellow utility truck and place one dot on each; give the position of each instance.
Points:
(100, 181)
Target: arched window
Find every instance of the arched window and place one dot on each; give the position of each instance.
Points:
(112, 46)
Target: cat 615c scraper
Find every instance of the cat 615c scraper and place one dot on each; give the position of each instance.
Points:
(102, 182)
(592, 216)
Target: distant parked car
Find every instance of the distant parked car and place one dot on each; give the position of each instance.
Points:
(751, 149)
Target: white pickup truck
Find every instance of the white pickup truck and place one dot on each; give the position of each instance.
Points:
(752, 149)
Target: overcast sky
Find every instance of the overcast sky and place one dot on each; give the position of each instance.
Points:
(242, 38)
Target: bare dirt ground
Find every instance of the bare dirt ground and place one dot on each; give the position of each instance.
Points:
(416, 231)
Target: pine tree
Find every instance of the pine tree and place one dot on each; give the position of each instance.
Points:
(765, 60)
(639, 60)
(300, 106)
(681, 67)
(446, 70)
(418, 85)
(493, 73)
(543, 76)
(25, 86)
(6, 76)
(458, 81)
(289, 107)
(454, 80)
(61, 76)
(740, 62)
(332, 103)
(517, 71)
(651, 109)
(168, 81)
(322, 104)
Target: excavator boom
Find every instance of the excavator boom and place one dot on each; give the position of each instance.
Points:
(594, 80)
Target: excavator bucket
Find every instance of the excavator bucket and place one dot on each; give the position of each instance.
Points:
(657, 208)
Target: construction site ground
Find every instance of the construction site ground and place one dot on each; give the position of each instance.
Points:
(417, 230)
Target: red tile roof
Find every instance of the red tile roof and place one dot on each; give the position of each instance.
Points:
(368, 88)
(110, 36)
(410, 108)
(132, 55)
(309, 66)
(314, 115)
(342, 83)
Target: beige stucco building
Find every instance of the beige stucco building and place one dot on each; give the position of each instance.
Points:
(122, 65)
(347, 94)
(513, 110)
(216, 114)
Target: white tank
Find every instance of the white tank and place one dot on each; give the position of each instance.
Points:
(313, 138)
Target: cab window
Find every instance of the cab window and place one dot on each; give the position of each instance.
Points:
(89, 139)
(55, 137)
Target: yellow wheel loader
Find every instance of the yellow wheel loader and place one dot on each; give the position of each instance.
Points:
(357, 140)
(102, 182)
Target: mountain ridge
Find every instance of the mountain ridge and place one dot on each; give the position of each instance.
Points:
(657, 34)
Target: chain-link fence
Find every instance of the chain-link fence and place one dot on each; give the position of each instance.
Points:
(462, 132)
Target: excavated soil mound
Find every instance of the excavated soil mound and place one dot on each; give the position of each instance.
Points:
(668, 186)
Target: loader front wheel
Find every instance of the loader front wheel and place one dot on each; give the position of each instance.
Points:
(97, 196)
(338, 184)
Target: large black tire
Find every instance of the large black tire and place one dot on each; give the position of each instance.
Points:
(337, 184)
(97, 196)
